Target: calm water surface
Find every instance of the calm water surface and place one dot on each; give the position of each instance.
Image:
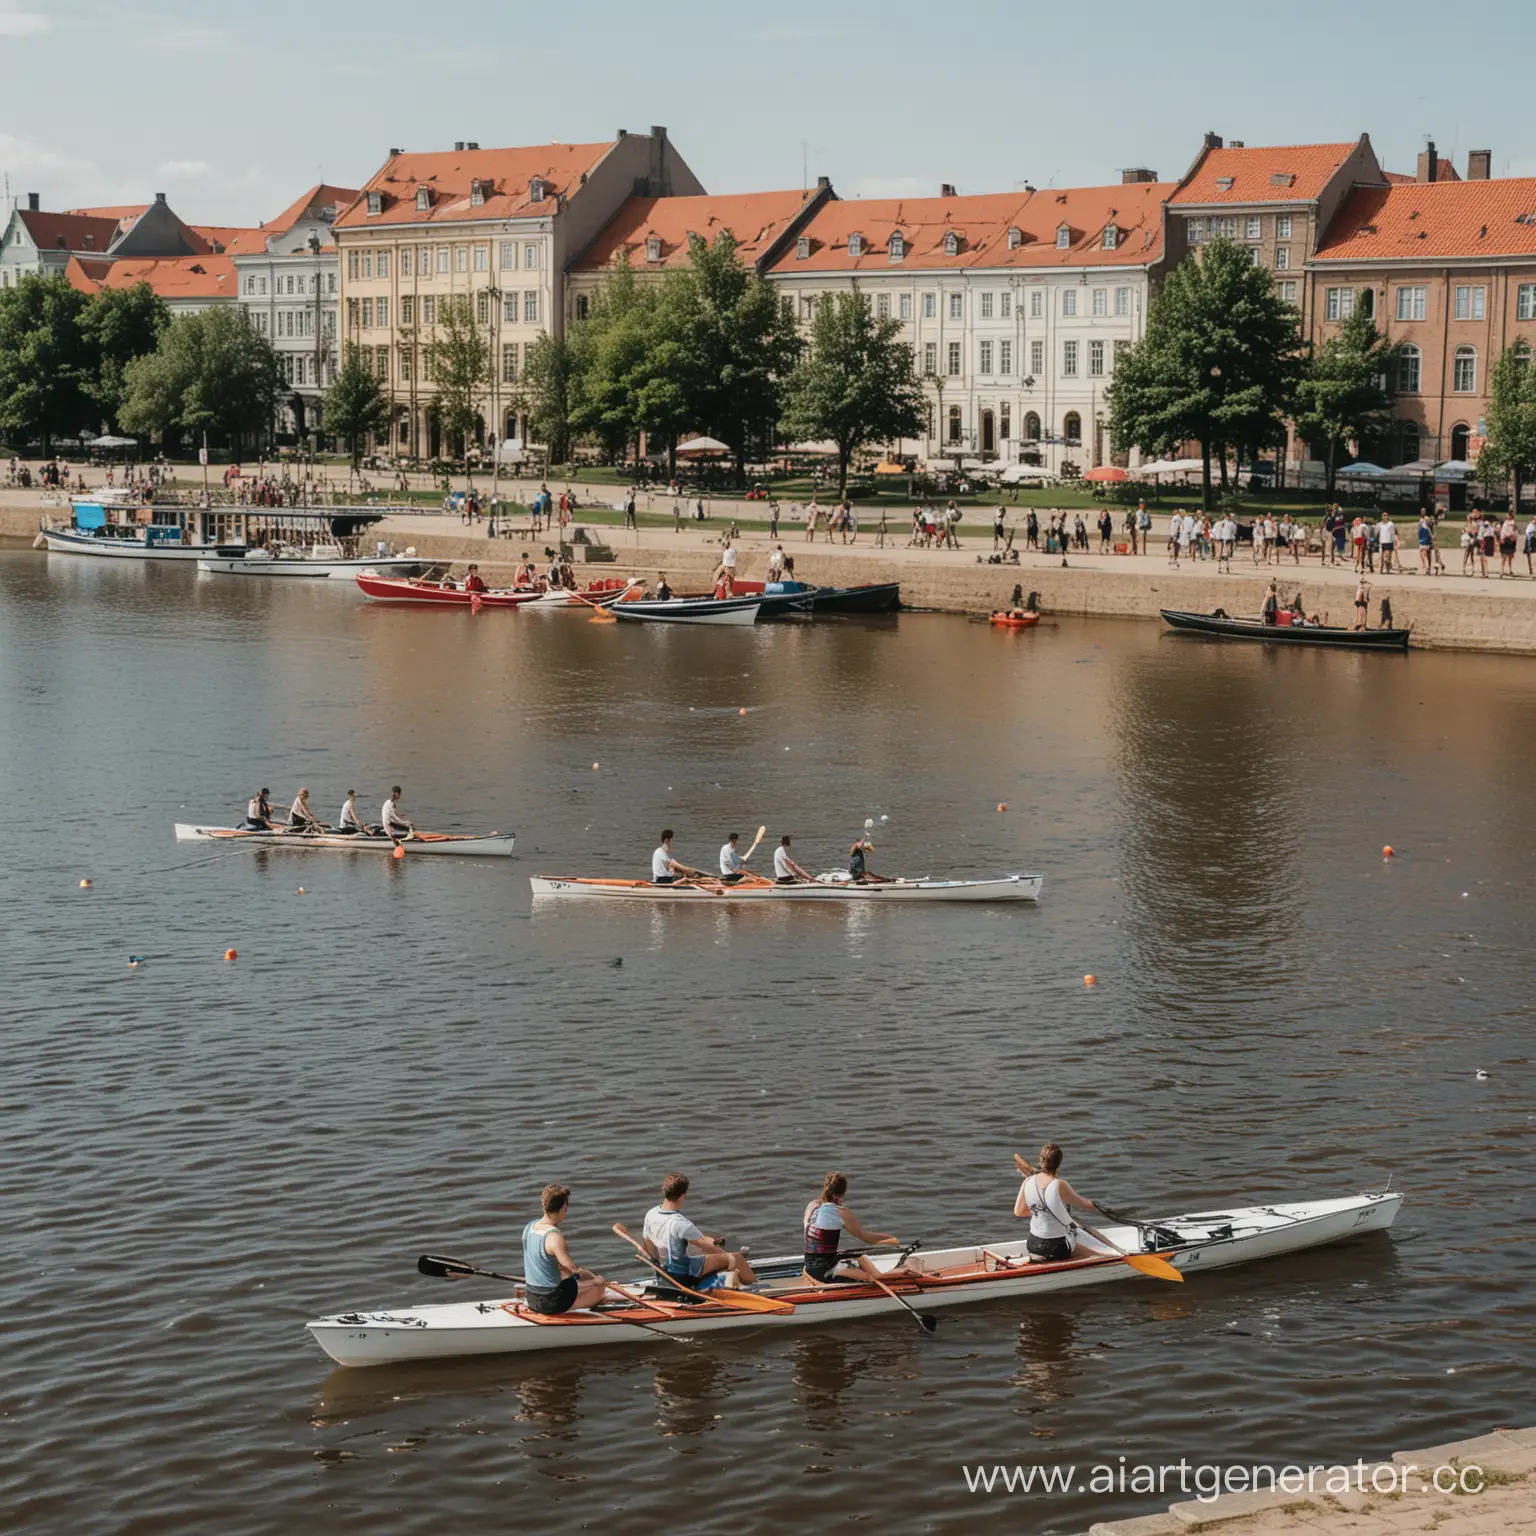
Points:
(197, 1156)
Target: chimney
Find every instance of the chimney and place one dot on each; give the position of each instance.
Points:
(1429, 164)
(472, 144)
(658, 133)
(823, 182)
(393, 153)
(623, 133)
(1479, 164)
(946, 189)
(1137, 173)
(159, 197)
(1236, 144)
(458, 143)
(34, 202)
(1213, 141)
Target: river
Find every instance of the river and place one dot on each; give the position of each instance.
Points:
(199, 1155)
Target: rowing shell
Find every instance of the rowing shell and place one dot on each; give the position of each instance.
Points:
(1006, 888)
(491, 845)
(947, 1278)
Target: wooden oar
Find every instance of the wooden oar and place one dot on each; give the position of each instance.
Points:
(746, 1301)
(927, 1324)
(456, 1269)
(1146, 1263)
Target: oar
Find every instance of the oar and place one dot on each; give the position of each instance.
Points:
(927, 1324)
(1147, 1263)
(755, 841)
(456, 1269)
(746, 1301)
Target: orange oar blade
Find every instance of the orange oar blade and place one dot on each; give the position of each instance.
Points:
(748, 1301)
(1150, 1264)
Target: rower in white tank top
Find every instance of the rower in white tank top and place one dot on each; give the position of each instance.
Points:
(1047, 1200)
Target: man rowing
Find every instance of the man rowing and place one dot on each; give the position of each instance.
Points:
(300, 817)
(1046, 1199)
(473, 581)
(733, 867)
(350, 822)
(258, 813)
(392, 819)
(826, 1219)
(693, 1260)
(785, 870)
(858, 865)
(666, 870)
(555, 1283)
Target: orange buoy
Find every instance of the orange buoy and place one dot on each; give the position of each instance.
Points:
(301, 890)
(1090, 981)
(1386, 852)
(229, 954)
(85, 885)
(399, 852)
(741, 711)
(1002, 806)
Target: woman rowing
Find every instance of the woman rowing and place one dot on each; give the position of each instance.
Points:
(858, 865)
(554, 1283)
(826, 1219)
(300, 817)
(1046, 1199)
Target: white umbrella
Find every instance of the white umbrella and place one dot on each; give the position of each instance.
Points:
(1017, 472)
(1417, 470)
(1156, 467)
(115, 442)
(1362, 469)
(701, 446)
(818, 447)
(1457, 469)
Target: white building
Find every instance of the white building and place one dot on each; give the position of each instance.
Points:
(1016, 306)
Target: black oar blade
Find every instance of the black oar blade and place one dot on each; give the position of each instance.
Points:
(926, 1323)
(444, 1269)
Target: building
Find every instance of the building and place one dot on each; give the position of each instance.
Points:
(290, 288)
(497, 226)
(1016, 305)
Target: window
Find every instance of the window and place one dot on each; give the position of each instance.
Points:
(1222, 229)
(381, 265)
(1069, 301)
(1101, 301)
(264, 285)
(428, 309)
(1037, 358)
(1111, 237)
(1282, 226)
(1253, 226)
(1339, 303)
(330, 282)
(330, 324)
(954, 360)
(1063, 237)
(1409, 367)
(1031, 427)
(531, 257)
(1005, 361)
(509, 308)
(354, 265)
(898, 248)
(375, 202)
(381, 362)
(930, 357)
(1195, 231)
(424, 261)
(1095, 359)
(855, 245)
(250, 285)
(367, 268)
(1256, 255)
(1368, 302)
(883, 306)
(442, 258)
(1004, 419)
(531, 307)
(1069, 359)
(1006, 305)
(1464, 371)
(261, 324)
(986, 357)
(807, 306)
(803, 248)
(460, 258)
(407, 309)
(477, 193)
(956, 306)
(508, 255)
(482, 308)
(951, 243)
(583, 307)
(1283, 259)
(653, 247)
(1525, 302)
(509, 362)
(1121, 348)
(906, 306)
(405, 262)
(381, 310)
(1122, 301)
(405, 365)
(1072, 427)
(423, 199)
(367, 314)
(930, 305)
(482, 258)
(1411, 303)
(1471, 303)
(1036, 303)
(954, 423)
(1287, 291)
(986, 306)
(1015, 237)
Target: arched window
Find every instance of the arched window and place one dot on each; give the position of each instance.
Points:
(1072, 427)
(1464, 373)
(1408, 445)
(954, 423)
(1031, 427)
(1460, 434)
(1409, 363)
(1004, 421)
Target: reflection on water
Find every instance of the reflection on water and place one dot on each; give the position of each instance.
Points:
(1046, 1347)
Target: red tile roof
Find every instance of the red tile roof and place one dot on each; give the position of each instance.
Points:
(86, 274)
(981, 225)
(322, 195)
(1287, 173)
(507, 173)
(68, 231)
(234, 240)
(755, 219)
(177, 277)
(1443, 220)
(124, 213)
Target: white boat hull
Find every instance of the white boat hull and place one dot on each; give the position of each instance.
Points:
(301, 569)
(62, 541)
(1206, 1240)
(688, 611)
(495, 845)
(1006, 888)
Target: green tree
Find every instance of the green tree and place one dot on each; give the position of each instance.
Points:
(210, 374)
(1511, 446)
(354, 403)
(1341, 396)
(118, 325)
(854, 383)
(459, 362)
(1217, 365)
(45, 367)
(545, 394)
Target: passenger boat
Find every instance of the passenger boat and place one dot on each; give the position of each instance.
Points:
(690, 610)
(1286, 633)
(491, 845)
(395, 589)
(949, 1277)
(830, 887)
(321, 562)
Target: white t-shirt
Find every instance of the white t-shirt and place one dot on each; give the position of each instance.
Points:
(1388, 533)
(253, 810)
(661, 865)
(349, 816)
(390, 815)
(728, 558)
(671, 1232)
(775, 563)
(781, 867)
(730, 861)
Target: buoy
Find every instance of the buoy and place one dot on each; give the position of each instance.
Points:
(885, 818)
(594, 767)
(1002, 805)
(1482, 1076)
(741, 712)
(869, 823)
(85, 885)
(133, 962)
(301, 890)
(229, 954)
(1386, 852)
(399, 852)
(1090, 981)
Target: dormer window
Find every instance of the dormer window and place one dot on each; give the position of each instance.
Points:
(653, 248)
(375, 202)
(423, 199)
(477, 194)
(855, 245)
(951, 243)
(897, 247)
(1111, 237)
(803, 248)
(536, 190)
(1063, 237)
(1015, 237)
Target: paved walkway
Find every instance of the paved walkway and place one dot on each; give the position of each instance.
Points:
(1502, 1465)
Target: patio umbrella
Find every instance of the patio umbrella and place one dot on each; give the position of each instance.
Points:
(1457, 469)
(1017, 472)
(701, 448)
(114, 442)
(1155, 468)
(1107, 474)
(1362, 469)
(890, 469)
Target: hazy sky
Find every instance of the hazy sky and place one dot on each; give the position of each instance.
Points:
(232, 110)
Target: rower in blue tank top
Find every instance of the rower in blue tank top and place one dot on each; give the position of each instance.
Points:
(554, 1283)
(826, 1219)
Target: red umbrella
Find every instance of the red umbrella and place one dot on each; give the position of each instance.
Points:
(1107, 474)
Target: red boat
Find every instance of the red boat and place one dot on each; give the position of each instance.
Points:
(392, 589)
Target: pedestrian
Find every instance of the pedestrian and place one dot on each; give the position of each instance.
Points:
(773, 517)
(1386, 538)
(1362, 602)
(1487, 544)
(1032, 532)
(998, 523)
(1130, 530)
(1530, 545)
(1509, 539)
(1175, 528)
(1426, 543)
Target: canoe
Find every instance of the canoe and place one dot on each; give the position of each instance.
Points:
(602, 594)
(947, 1277)
(1288, 634)
(1015, 620)
(800, 599)
(833, 887)
(690, 610)
(390, 589)
(494, 845)
(312, 567)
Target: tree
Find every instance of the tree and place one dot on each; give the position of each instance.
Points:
(210, 374)
(1218, 363)
(1511, 446)
(354, 403)
(855, 382)
(44, 364)
(459, 363)
(1341, 396)
(545, 394)
(118, 325)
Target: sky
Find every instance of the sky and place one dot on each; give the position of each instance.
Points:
(233, 110)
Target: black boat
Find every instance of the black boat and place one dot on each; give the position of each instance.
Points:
(1287, 634)
(880, 597)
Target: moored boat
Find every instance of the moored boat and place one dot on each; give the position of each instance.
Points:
(495, 845)
(689, 610)
(948, 1277)
(830, 887)
(598, 594)
(1287, 633)
(321, 562)
(396, 589)
(1015, 620)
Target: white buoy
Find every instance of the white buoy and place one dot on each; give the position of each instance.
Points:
(1482, 1076)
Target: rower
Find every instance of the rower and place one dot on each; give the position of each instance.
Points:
(391, 820)
(1045, 1199)
(685, 1253)
(663, 591)
(349, 821)
(732, 866)
(858, 867)
(525, 575)
(826, 1219)
(473, 582)
(300, 817)
(554, 1283)
(258, 813)
(665, 870)
(785, 870)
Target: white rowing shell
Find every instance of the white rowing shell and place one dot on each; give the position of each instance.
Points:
(1006, 888)
(492, 845)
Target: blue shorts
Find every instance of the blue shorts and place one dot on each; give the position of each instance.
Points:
(700, 1282)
